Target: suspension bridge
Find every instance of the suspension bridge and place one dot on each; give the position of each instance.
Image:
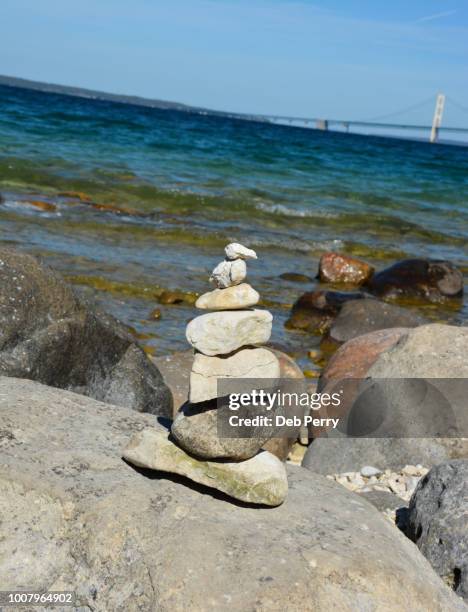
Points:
(433, 130)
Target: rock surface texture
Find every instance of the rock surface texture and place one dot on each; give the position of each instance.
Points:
(438, 522)
(76, 516)
(220, 333)
(49, 335)
(433, 353)
(359, 317)
(231, 298)
(343, 269)
(429, 279)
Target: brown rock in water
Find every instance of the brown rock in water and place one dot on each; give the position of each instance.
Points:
(295, 277)
(338, 268)
(429, 279)
(155, 314)
(41, 205)
(314, 311)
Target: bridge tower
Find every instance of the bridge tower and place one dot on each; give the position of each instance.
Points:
(437, 119)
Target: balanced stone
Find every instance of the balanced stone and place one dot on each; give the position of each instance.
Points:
(259, 480)
(245, 363)
(238, 251)
(229, 273)
(196, 430)
(231, 298)
(219, 333)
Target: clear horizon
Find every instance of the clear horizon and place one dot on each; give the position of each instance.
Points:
(325, 59)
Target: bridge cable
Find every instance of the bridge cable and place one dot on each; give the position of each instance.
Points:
(400, 112)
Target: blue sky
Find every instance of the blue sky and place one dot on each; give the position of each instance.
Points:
(352, 59)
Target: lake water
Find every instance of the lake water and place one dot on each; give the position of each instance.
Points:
(143, 199)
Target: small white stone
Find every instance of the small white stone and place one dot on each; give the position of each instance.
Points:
(368, 470)
(229, 273)
(234, 250)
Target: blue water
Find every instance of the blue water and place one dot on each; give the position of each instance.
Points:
(142, 197)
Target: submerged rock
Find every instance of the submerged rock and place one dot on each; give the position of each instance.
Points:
(315, 310)
(437, 522)
(343, 269)
(261, 479)
(76, 516)
(49, 335)
(429, 279)
(219, 333)
(359, 317)
(231, 298)
(251, 363)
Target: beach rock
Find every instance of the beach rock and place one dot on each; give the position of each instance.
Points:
(220, 333)
(234, 250)
(368, 471)
(231, 298)
(245, 363)
(261, 479)
(355, 357)
(359, 317)
(429, 279)
(229, 273)
(76, 516)
(49, 335)
(421, 374)
(429, 351)
(338, 268)
(340, 454)
(314, 311)
(175, 369)
(437, 522)
(195, 429)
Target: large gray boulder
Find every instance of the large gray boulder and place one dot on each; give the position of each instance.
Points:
(421, 376)
(76, 516)
(359, 317)
(49, 335)
(438, 522)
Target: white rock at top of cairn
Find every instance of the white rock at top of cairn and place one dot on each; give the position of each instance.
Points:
(234, 250)
(229, 273)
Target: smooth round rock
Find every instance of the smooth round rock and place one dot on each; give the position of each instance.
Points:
(231, 298)
(220, 333)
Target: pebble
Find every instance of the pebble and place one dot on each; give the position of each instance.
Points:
(234, 250)
(229, 273)
(369, 470)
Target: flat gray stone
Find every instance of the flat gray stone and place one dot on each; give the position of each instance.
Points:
(259, 480)
(220, 333)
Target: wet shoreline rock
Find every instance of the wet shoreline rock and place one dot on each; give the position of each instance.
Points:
(429, 279)
(342, 269)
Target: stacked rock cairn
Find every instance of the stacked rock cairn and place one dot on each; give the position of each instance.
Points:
(227, 343)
